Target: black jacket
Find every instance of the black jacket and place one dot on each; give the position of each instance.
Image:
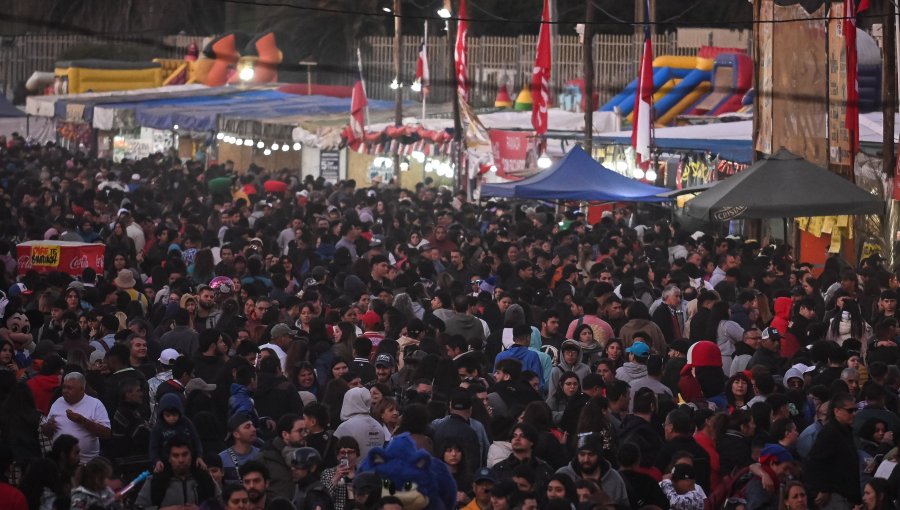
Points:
(647, 438)
(833, 463)
(643, 490)
(734, 452)
(688, 444)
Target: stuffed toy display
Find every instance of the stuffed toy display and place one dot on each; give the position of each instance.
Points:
(412, 475)
(16, 328)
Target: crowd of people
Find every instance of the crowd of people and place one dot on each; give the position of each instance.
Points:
(258, 345)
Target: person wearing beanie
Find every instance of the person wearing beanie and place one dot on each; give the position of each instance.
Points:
(589, 464)
(777, 463)
(524, 439)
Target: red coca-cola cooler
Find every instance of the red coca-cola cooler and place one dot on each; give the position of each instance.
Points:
(63, 256)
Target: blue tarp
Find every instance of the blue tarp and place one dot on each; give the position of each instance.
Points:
(160, 95)
(202, 115)
(578, 177)
(739, 151)
(7, 109)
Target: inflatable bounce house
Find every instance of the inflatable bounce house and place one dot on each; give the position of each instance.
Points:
(712, 83)
(230, 58)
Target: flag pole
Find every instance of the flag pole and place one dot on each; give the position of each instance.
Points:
(363, 81)
(424, 95)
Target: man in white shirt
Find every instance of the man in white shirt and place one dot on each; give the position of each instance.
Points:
(281, 336)
(78, 415)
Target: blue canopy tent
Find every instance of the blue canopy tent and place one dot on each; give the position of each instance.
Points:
(262, 105)
(577, 176)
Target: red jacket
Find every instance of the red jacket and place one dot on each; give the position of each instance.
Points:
(789, 343)
(42, 388)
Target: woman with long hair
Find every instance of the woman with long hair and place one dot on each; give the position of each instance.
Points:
(724, 332)
(118, 242)
(307, 314)
(19, 421)
(204, 267)
(877, 495)
(738, 391)
(303, 377)
(66, 454)
(454, 457)
(568, 390)
(41, 485)
(849, 324)
(594, 419)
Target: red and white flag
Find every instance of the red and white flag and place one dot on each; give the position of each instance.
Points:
(423, 77)
(461, 53)
(540, 75)
(642, 123)
(849, 29)
(358, 105)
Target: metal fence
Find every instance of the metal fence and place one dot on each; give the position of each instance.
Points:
(20, 56)
(492, 59)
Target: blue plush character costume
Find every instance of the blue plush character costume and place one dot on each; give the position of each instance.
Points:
(412, 475)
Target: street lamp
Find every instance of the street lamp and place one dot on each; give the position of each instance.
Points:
(544, 162)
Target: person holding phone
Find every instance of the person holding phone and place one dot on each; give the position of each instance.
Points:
(338, 480)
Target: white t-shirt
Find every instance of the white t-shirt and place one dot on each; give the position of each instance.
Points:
(90, 408)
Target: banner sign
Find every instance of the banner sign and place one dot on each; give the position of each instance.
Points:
(511, 151)
(66, 257)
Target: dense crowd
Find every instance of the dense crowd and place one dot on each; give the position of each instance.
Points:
(267, 343)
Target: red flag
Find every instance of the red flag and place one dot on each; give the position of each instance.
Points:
(358, 104)
(852, 114)
(643, 105)
(863, 6)
(461, 53)
(423, 77)
(540, 76)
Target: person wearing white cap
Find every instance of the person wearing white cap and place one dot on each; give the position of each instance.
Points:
(166, 360)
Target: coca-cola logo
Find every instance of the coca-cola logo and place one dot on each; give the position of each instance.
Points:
(25, 261)
(79, 262)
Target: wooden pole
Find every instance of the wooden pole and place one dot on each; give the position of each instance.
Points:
(889, 95)
(398, 65)
(588, 52)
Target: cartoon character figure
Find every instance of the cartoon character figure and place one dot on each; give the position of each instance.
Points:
(412, 475)
(17, 329)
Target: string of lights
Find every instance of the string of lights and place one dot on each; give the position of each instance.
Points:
(499, 19)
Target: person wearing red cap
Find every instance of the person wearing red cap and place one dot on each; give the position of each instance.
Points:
(373, 330)
(702, 379)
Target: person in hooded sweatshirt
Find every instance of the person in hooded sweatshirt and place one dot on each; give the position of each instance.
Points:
(462, 322)
(589, 464)
(172, 422)
(358, 423)
(782, 322)
(636, 366)
(569, 361)
(520, 350)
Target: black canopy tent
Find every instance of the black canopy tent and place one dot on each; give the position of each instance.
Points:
(783, 185)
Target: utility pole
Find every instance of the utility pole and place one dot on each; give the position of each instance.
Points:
(398, 66)
(639, 16)
(588, 52)
(889, 94)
